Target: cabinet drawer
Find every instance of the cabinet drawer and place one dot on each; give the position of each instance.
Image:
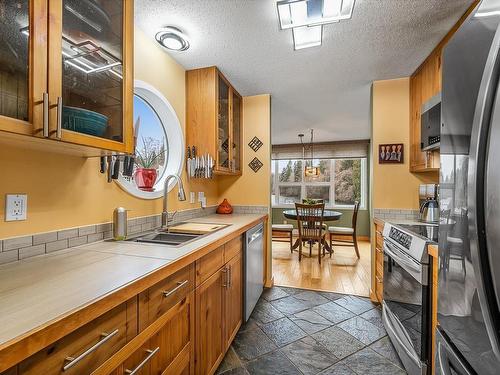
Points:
(232, 248)
(84, 350)
(209, 264)
(175, 340)
(158, 299)
(140, 360)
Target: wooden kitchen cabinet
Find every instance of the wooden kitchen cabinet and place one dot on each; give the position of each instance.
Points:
(379, 261)
(233, 299)
(209, 322)
(77, 88)
(214, 118)
(219, 308)
(23, 66)
(168, 328)
(86, 348)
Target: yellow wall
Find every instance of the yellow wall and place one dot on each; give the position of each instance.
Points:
(393, 186)
(252, 188)
(66, 191)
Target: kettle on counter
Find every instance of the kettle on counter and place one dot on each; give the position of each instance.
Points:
(429, 211)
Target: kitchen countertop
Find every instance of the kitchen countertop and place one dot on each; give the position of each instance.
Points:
(39, 291)
(398, 221)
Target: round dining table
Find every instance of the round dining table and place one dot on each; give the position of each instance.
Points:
(328, 215)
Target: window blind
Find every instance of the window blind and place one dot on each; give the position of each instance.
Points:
(327, 150)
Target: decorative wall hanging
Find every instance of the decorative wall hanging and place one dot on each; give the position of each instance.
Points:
(255, 144)
(391, 153)
(255, 165)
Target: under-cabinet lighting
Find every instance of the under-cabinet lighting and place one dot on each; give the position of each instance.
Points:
(307, 36)
(297, 13)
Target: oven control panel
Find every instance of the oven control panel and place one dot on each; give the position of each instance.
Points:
(400, 237)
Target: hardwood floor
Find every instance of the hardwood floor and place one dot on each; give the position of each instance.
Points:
(342, 273)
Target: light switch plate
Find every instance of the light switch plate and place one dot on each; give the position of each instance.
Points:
(16, 207)
(192, 197)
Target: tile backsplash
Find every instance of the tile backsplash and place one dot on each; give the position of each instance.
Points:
(17, 248)
(399, 214)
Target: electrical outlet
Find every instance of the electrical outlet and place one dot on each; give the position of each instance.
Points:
(192, 197)
(16, 207)
(201, 195)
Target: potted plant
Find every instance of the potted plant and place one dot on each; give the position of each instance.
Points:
(148, 159)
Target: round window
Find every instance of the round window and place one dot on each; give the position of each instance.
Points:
(159, 144)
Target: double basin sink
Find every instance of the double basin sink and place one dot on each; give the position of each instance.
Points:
(176, 236)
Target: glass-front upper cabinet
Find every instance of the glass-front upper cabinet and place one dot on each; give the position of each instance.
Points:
(236, 112)
(223, 129)
(23, 56)
(90, 74)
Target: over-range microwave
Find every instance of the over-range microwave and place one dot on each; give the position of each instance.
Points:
(430, 121)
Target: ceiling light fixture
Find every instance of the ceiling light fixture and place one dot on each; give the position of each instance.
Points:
(297, 13)
(309, 169)
(307, 36)
(307, 17)
(172, 38)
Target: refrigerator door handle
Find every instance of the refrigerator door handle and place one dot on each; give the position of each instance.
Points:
(476, 178)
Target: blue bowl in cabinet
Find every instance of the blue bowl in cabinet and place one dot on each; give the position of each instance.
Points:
(84, 121)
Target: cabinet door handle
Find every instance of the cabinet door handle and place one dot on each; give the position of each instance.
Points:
(73, 361)
(230, 276)
(59, 118)
(180, 284)
(45, 114)
(225, 271)
(150, 355)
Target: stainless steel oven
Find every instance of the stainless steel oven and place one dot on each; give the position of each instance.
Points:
(406, 307)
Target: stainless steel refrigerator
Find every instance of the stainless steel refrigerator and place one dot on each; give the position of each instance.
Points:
(468, 337)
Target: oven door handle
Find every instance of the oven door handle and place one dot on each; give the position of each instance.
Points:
(391, 321)
(392, 253)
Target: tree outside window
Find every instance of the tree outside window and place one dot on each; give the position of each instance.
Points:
(340, 183)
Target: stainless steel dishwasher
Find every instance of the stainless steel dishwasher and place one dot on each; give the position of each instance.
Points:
(253, 268)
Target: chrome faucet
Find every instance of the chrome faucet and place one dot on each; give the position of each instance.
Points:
(165, 218)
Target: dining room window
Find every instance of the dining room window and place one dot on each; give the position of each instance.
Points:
(339, 184)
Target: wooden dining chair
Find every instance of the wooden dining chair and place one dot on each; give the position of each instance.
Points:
(346, 231)
(310, 224)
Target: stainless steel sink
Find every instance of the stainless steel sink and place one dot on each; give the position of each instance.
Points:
(173, 239)
(170, 238)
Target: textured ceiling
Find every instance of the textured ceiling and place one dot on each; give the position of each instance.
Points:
(326, 88)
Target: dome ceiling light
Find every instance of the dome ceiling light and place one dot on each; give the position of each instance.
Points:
(172, 39)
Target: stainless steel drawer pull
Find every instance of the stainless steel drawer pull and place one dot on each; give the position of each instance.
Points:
(145, 360)
(73, 361)
(180, 284)
(59, 118)
(45, 114)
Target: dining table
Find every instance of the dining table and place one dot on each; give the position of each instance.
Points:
(328, 215)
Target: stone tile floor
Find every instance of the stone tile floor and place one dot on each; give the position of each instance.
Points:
(297, 331)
